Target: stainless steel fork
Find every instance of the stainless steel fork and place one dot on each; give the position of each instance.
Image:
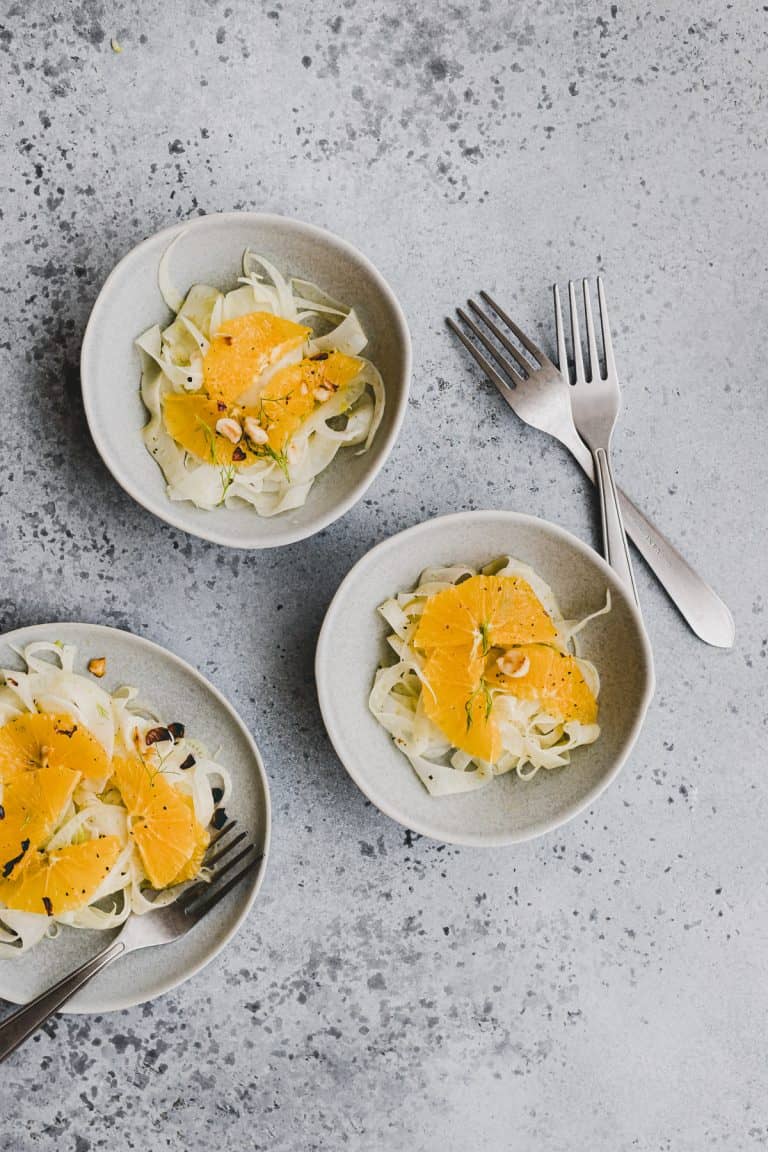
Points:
(160, 926)
(595, 403)
(538, 393)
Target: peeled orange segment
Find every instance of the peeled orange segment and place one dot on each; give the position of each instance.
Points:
(484, 612)
(292, 394)
(162, 825)
(64, 880)
(35, 739)
(553, 678)
(193, 865)
(243, 347)
(34, 804)
(191, 420)
(457, 700)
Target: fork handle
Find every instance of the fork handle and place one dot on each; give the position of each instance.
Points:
(20, 1026)
(707, 615)
(614, 537)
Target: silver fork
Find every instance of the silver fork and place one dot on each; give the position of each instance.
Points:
(595, 403)
(539, 394)
(161, 926)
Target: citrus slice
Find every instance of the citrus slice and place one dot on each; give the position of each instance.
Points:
(457, 700)
(33, 805)
(35, 739)
(162, 823)
(289, 398)
(191, 418)
(64, 880)
(243, 347)
(202, 840)
(553, 678)
(484, 612)
(295, 391)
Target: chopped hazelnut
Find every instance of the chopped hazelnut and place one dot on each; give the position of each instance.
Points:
(254, 431)
(513, 664)
(229, 429)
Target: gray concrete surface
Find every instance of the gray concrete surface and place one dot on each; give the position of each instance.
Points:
(605, 987)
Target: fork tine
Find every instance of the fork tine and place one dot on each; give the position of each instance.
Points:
(502, 339)
(222, 852)
(202, 907)
(491, 347)
(562, 355)
(610, 363)
(222, 833)
(526, 342)
(230, 864)
(484, 363)
(202, 886)
(594, 362)
(578, 359)
(501, 386)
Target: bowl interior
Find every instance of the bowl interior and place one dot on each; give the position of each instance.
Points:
(352, 643)
(210, 250)
(176, 691)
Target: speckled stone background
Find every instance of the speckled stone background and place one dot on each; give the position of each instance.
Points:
(605, 987)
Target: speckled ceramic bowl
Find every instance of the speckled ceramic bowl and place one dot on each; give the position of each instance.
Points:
(352, 644)
(176, 691)
(210, 250)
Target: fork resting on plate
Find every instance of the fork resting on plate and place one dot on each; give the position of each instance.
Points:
(160, 926)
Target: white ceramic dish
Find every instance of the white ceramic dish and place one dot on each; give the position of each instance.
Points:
(179, 692)
(352, 643)
(210, 250)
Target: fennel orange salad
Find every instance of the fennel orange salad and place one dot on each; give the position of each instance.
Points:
(485, 678)
(105, 808)
(251, 393)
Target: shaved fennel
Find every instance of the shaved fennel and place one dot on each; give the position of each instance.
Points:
(172, 361)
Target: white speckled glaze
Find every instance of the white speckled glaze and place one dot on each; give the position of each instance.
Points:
(352, 642)
(210, 250)
(176, 691)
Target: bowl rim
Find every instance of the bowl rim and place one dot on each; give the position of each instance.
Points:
(129, 999)
(324, 681)
(168, 514)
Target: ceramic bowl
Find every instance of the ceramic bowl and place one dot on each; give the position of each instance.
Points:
(352, 644)
(210, 249)
(175, 690)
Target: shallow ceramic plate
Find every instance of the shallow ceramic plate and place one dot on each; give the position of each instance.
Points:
(352, 644)
(170, 686)
(210, 250)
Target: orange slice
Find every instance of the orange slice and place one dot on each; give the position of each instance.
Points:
(291, 396)
(286, 402)
(202, 840)
(457, 699)
(33, 804)
(35, 739)
(163, 826)
(191, 420)
(63, 880)
(484, 612)
(553, 678)
(242, 348)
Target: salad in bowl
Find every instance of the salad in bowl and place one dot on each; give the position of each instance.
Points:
(251, 393)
